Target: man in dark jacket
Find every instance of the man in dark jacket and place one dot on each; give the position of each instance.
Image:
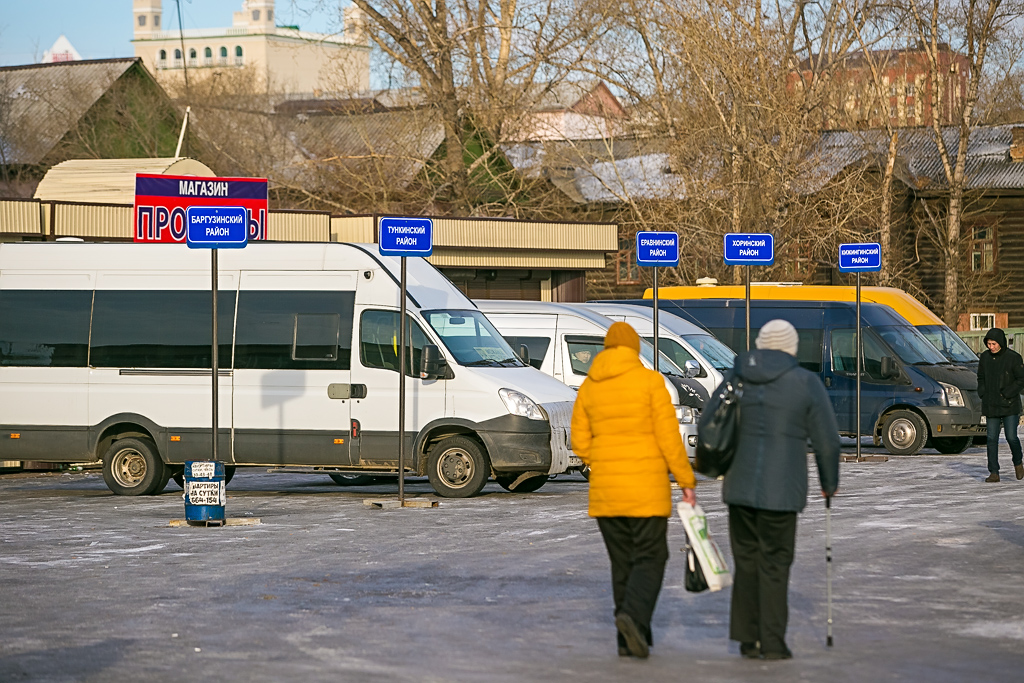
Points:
(782, 407)
(1000, 381)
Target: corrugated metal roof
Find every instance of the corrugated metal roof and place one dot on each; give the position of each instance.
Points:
(43, 102)
(988, 163)
(109, 181)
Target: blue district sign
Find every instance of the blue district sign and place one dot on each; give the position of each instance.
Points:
(216, 227)
(860, 258)
(406, 236)
(657, 249)
(749, 249)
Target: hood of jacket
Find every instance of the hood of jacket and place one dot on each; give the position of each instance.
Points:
(613, 362)
(763, 365)
(998, 336)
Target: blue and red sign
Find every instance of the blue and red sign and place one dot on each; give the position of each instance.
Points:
(162, 201)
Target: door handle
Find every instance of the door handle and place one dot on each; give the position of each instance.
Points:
(828, 381)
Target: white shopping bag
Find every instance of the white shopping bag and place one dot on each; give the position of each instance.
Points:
(716, 572)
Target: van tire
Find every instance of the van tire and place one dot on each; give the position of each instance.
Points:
(132, 467)
(353, 479)
(951, 445)
(526, 486)
(904, 432)
(457, 467)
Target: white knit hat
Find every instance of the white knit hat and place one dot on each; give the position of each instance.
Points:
(778, 335)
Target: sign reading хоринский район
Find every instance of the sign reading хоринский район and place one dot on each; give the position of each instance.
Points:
(749, 249)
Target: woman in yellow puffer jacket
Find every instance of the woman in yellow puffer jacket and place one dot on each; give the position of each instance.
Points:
(625, 427)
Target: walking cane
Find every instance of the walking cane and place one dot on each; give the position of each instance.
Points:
(828, 564)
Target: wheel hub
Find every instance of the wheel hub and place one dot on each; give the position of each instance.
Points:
(129, 467)
(902, 433)
(455, 467)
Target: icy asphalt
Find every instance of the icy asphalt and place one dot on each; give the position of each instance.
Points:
(93, 587)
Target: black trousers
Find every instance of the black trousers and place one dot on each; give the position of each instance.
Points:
(638, 550)
(763, 542)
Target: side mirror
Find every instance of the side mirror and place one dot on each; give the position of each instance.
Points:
(432, 363)
(524, 353)
(889, 368)
(691, 368)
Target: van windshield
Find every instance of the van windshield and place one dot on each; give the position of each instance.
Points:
(718, 354)
(910, 345)
(471, 339)
(948, 343)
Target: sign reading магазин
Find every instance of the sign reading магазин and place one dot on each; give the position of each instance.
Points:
(860, 258)
(657, 249)
(405, 236)
(749, 249)
(161, 203)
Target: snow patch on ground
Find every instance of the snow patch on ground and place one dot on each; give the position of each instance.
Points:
(997, 629)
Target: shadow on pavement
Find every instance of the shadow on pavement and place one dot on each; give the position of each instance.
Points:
(85, 662)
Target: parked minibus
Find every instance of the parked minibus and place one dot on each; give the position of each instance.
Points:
(913, 311)
(910, 394)
(563, 339)
(681, 340)
(105, 355)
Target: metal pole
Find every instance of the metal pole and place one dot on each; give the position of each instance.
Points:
(828, 566)
(214, 353)
(401, 396)
(747, 269)
(860, 353)
(657, 364)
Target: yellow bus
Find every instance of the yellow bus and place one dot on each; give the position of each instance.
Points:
(913, 311)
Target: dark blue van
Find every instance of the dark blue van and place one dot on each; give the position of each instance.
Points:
(911, 396)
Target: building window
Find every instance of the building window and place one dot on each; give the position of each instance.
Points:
(983, 321)
(207, 56)
(983, 249)
(627, 272)
(142, 22)
(192, 61)
(223, 55)
(162, 59)
(270, 15)
(255, 17)
(910, 89)
(238, 55)
(892, 90)
(911, 111)
(156, 20)
(893, 112)
(177, 59)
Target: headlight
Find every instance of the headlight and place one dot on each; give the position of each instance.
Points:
(953, 396)
(520, 404)
(687, 415)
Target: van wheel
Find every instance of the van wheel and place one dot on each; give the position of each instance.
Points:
(904, 432)
(457, 467)
(352, 479)
(131, 467)
(951, 445)
(525, 486)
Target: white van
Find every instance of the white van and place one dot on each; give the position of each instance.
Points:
(105, 355)
(680, 340)
(562, 340)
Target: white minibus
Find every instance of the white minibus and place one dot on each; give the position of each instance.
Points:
(561, 340)
(105, 355)
(682, 341)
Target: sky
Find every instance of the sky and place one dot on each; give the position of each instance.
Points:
(103, 28)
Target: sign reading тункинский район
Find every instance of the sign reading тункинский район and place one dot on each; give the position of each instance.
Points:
(406, 236)
(860, 258)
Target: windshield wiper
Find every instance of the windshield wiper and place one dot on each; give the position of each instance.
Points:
(482, 361)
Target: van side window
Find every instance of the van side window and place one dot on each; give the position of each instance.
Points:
(44, 328)
(294, 330)
(538, 347)
(159, 329)
(379, 339)
(844, 353)
(582, 351)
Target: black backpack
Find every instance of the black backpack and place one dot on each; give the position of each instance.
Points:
(717, 431)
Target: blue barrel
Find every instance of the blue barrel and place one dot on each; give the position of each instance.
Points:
(205, 494)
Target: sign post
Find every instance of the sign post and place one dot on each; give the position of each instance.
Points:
(404, 237)
(205, 213)
(749, 249)
(655, 249)
(859, 258)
